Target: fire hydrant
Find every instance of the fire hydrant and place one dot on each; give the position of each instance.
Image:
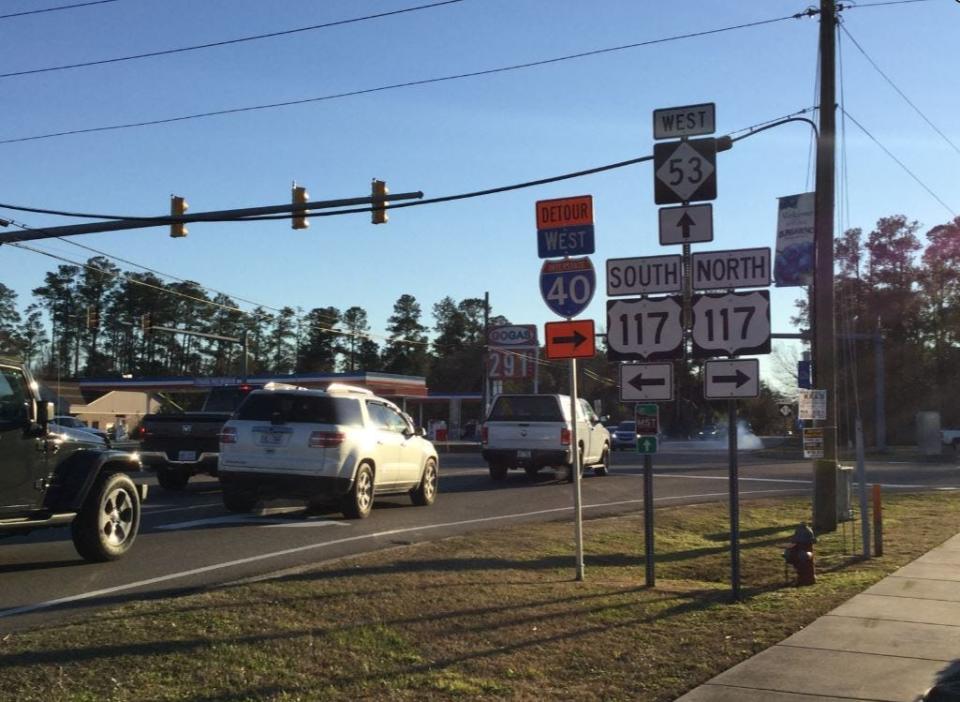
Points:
(799, 554)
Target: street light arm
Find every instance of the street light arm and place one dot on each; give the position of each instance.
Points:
(812, 124)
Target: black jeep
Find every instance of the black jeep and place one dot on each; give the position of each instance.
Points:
(52, 476)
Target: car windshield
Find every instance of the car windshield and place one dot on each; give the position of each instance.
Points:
(527, 408)
(300, 409)
(627, 426)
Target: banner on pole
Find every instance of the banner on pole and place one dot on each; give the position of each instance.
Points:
(795, 244)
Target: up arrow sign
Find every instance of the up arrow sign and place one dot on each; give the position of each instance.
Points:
(729, 380)
(689, 224)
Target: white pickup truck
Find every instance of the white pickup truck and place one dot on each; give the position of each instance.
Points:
(534, 431)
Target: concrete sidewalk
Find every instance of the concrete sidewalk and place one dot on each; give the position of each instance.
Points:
(887, 643)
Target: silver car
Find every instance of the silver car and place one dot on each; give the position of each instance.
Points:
(341, 444)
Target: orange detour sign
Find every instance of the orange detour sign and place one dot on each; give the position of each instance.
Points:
(572, 339)
(565, 227)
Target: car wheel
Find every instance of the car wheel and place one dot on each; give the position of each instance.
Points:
(172, 479)
(359, 501)
(532, 471)
(109, 520)
(426, 492)
(238, 501)
(498, 472)
(603, 468)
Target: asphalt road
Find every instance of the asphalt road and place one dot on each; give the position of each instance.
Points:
(188, 541)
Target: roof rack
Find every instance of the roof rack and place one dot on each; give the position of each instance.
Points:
(343, 388)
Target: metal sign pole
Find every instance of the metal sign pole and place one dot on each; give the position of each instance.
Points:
(734, 499)
(575, 460)
(648, 517)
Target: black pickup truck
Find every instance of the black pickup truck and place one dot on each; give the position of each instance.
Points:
(55, 476)
(180, 445)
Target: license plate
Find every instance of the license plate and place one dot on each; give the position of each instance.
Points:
(523, 453)
(187, 456)
(270, 439)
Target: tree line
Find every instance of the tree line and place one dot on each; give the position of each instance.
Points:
(889, 282)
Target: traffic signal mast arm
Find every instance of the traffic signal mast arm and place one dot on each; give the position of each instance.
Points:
(216, 216)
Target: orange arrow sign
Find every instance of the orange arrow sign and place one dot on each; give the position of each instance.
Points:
(573, 339)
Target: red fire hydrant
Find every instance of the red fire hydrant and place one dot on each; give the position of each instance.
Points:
(799, 554)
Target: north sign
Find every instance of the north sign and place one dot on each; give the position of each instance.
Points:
(730, 380)
(684, 171)
(646, 382)
(644, 276)
(570, 339)
(565, 227)
(686, 121)
(567, 286)
(738, 268)
(691, 224)
(648, 328)
(731, 323)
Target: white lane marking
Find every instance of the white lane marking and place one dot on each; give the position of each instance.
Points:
(250, 519)
(336, 542)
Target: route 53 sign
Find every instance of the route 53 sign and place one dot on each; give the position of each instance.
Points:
(731, 323)
(644, 328)
(567, 285)
(685, 171)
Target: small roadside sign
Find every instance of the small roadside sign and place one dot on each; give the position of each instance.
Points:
(644, 276)
(684, 171)
(730, 380)
(646, 444)
(647, 417)
(812, 404)
(686, 121)
(646, 382)
(565, 227)
(785, 410)
(691, 224)
(737, 268)
(567, 285)
(570, 339)
(813, 442)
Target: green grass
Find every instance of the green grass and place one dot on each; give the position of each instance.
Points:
(495, 615)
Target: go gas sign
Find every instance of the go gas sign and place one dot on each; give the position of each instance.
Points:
(513, 335)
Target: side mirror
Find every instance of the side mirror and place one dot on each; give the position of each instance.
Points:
(45, 412)
(421, 431)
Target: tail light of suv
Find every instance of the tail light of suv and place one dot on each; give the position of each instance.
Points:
(484, 435)
(228, 435)
(564, 436)
(326, 439)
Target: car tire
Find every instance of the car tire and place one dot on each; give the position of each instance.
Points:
(358, 503)
(108, 522)
(238, 501)
(172, 479)
(498, 472)
(603, 468)
(425, 493)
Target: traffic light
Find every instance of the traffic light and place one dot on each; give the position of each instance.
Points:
(379, 192)
(300, 196)
(93, 318)
(178, 208)
(145, 322)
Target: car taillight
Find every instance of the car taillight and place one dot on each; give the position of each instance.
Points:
(564, 436)
(325, 439)
(228, 435)
(484, 435)
(143, 432)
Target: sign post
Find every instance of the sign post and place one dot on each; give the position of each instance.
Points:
(647, 418)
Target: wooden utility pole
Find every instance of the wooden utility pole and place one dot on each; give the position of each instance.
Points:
(824, 367)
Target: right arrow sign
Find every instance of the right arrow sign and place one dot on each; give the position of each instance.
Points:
(728, 380)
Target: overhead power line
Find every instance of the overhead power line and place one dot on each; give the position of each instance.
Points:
(55, 9)
(397, 86)
(899, 92)
(901, 164)
(224, 42)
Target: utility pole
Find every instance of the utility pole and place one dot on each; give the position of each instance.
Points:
(825, 372)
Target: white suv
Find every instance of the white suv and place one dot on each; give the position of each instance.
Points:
(342, 443)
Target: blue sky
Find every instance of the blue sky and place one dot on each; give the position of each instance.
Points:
(445, 138)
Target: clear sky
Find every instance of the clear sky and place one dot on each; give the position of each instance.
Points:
(446, 137)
